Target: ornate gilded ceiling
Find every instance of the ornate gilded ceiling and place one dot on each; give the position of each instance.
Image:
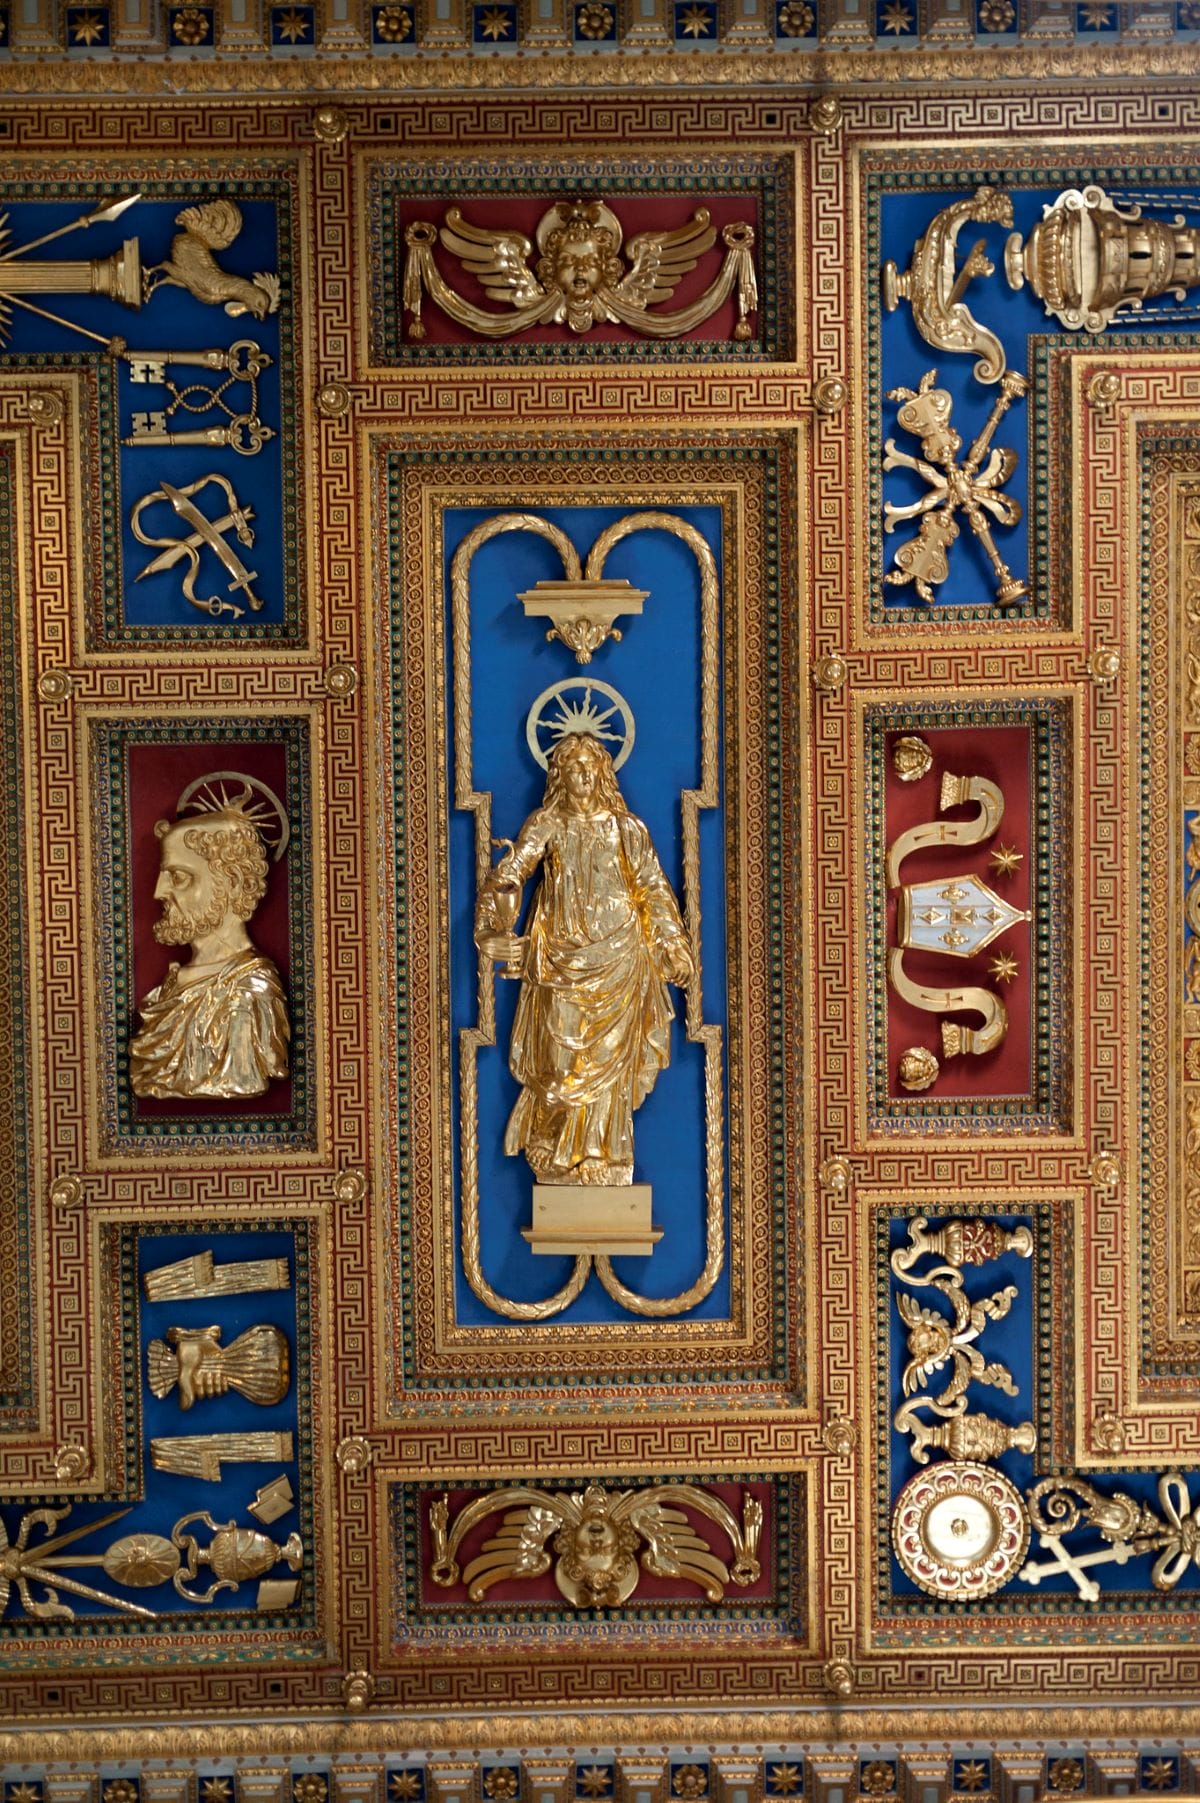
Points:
(601, 756)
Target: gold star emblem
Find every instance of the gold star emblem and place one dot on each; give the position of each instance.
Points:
(784, 1780)
(896, 17)
(1004, 968)
(594, 1781)
(216, 1790)
(1159, 1774)
(970, 1775)
(25, 1793)
(292, 25)
(495, 23)
(1005, 859)
(404, 1785)
(696, 22)
(86, 28)
(1095, 17)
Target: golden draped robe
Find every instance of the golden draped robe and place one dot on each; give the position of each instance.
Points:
(224, 1035)
(592, 1028)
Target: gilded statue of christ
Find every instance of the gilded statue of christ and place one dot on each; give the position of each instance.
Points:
(603, 940)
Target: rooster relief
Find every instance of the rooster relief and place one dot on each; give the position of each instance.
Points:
(193, 266)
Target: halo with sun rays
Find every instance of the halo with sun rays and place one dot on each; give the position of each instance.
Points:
(572, 707)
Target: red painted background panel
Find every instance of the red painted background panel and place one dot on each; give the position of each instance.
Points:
(1003, 754)
(157, 776)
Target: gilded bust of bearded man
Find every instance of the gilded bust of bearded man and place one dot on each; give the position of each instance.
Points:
(218, 1025)
(604, 939)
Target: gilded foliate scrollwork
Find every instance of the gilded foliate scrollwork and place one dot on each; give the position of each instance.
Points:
(941, 1343)
(598, 1541)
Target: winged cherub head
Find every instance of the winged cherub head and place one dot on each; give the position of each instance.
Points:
(580, 241)
(596, 1566)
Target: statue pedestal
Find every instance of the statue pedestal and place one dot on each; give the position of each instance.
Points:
(586, 1217)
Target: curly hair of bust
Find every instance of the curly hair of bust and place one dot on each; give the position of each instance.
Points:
(234, 853)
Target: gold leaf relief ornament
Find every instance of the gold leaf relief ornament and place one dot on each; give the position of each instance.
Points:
(193, 1359)
(953, 487)
(191, 263)
(604, 938)
(136, 1561)
(911, 758)
(955, 916)
(960, 1530)
(690, 1782)
(1093, 255)
(199, 1276)
(934, 285)
(936, 1342)
(174, 549)
(583, 276)
(201, 1455)
(237, 425)
(192, 25)
(796, 19)
(1130, 1529)
(218, 1025)
(597, 1535)
(1191, 908)
(116, 277)
(615, 1216)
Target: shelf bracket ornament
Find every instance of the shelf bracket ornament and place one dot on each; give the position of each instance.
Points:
(954, 916)
(597, 1537)
(580, 278)
(934, 285)
(585, 1202)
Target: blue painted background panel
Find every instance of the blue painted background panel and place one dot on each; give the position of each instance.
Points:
(656, 668)
(172, 319)
(1014, 316)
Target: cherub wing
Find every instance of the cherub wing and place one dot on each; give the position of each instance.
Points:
(659, 260)
(911, 1312)
(499, 260)
(517, 1551)
(675, 1550)
(928, 1359)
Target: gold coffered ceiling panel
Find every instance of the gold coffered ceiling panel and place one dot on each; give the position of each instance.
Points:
(602, 788)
